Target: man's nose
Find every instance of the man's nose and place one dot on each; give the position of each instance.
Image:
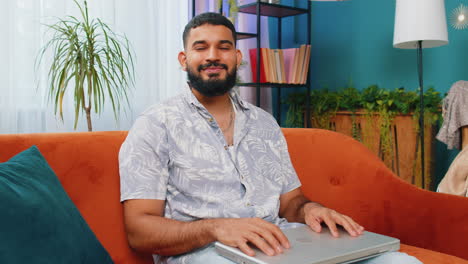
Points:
(213, 54)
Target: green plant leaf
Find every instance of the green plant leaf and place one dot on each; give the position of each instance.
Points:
(324, 102)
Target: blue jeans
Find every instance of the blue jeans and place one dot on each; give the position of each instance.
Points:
(208, 255)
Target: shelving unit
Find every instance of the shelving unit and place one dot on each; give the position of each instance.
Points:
(243, 35)
(278, 11)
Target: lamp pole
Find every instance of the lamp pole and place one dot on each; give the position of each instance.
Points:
(420, 24)
(421, 110)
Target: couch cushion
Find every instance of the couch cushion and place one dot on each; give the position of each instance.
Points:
(341, 173)
(427, 256)
(86, 164)
(38, 220)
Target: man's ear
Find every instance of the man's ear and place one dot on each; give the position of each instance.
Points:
(239, 58)
(183, 60)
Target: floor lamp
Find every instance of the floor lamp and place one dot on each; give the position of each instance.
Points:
(420, 24)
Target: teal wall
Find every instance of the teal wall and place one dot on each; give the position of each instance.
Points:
(352, 42)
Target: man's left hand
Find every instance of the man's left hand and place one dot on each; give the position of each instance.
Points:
(316, 214)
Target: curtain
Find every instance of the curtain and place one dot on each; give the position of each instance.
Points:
(154, 29)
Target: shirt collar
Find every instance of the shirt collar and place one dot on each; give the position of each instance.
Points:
(234, 94)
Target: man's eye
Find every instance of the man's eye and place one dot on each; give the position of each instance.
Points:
(225, 48)
(199, 48)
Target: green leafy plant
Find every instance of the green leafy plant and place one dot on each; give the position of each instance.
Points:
(371, 99)
(349, 99)
(372, 112)
(324, 103)
(294, 116)
(90, 60)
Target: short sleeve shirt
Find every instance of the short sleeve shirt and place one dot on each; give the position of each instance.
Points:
(176, 152)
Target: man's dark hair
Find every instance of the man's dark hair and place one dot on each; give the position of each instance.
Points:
(211, 19)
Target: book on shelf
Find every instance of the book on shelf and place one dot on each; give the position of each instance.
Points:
(277, 55)
(266, 64)
(272, 66)
(283, 70)
(288, 55)
(254, 65)
(302, 55)
(289, 66)
(295, 66)
(307, 64)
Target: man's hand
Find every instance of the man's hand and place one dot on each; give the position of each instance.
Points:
(239, 232)
(316, 214)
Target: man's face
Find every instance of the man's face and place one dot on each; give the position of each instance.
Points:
(210, 59)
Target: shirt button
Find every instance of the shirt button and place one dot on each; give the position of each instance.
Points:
(210, 119)
(248, 204)
(226, 147)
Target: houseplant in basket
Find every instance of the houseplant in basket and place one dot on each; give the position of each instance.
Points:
(386, 121)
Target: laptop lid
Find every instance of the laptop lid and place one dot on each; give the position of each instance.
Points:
(309, 247)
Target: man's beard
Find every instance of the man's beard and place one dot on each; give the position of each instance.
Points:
(213, 86)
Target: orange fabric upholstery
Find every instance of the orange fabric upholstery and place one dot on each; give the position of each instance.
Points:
(343, 174)
(87, 166)
(334, 169)
(428, 256)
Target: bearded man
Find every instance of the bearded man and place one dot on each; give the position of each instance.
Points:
(207, 166)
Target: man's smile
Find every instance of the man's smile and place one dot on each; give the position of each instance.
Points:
(212, 68)
(215, 69)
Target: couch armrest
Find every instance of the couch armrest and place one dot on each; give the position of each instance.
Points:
(343, 174)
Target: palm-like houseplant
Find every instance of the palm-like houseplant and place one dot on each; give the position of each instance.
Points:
(92, 61)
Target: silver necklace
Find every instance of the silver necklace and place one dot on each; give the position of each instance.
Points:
(231, 119)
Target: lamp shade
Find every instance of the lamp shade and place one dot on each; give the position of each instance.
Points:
(420, 20)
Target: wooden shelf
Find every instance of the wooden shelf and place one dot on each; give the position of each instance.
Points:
(272, 10)
(244, 35)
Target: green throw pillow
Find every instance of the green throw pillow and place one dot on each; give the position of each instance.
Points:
(38, 221)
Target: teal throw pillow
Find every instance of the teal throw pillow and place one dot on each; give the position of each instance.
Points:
(38, 221)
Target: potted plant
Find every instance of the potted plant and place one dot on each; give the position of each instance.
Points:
(90, 61)
(386, 121)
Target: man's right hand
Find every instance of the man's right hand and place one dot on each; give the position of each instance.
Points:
(149, 231)
(238, 232)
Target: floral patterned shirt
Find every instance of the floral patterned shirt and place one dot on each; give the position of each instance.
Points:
(176, 152)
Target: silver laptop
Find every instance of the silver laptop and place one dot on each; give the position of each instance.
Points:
(309, 247)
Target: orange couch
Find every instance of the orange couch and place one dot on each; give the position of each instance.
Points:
(335, 170)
